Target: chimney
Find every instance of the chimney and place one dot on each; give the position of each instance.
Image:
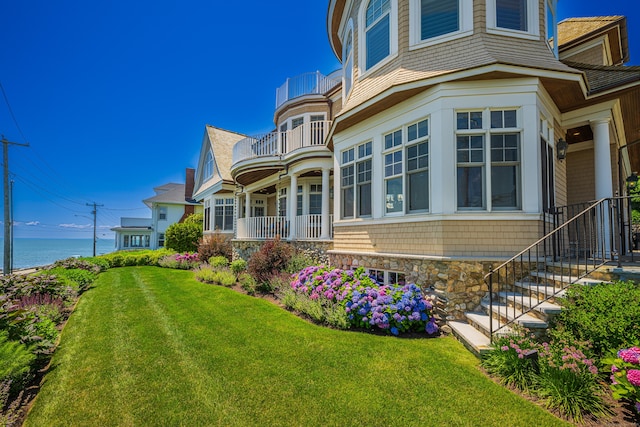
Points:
(189, 183)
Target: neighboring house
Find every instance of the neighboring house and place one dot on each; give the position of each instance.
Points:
(171, 204)
(440, 147)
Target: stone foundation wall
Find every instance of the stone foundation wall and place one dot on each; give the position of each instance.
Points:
(458, 284)
(316, 250)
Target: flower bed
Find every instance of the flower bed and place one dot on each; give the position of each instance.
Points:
(369, 305)
(625, 375)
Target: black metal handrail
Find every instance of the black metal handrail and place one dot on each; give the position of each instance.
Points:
(584, 237)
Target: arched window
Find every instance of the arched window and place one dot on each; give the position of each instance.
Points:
(208, 166)
(348, 62)
(377, 32)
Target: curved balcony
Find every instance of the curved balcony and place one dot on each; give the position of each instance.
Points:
(278, 143)
(306, 84)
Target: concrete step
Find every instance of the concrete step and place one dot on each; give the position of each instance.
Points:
(545, 289)
(473, 339)
(564, 278)
(481, 322)
(546, 308)
(511, 313)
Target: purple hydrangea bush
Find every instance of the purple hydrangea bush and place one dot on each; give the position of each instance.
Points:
(368, 304)
(625, 375)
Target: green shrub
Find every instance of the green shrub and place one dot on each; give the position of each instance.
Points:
(185, 261)
(508, 360)
(94, 265)
(247, 283)
(215, 276)
(215, 244)
(16, 360)
(218, 261)
(183, 236)
(300, 260)
(226, 278)
(272, 258)
(321, 311)
(238, 267)
(568, 381)
(605, 315)
(132, 258)
(78, 279)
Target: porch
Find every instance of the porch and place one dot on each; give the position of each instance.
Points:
(305, 227)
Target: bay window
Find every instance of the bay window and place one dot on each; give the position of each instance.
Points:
(500, 189)
(517, 17)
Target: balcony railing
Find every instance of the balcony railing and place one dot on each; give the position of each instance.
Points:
(281, 143)
(306, 84)
(308, 227)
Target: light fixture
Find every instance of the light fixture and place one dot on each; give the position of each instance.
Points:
(632, 180)
(561, 149)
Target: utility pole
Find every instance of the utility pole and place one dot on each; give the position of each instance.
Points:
(8, 238)
(95, 214)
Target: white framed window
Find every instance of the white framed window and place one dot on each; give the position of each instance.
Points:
(347, 181)
(406, 169)
(385, 277)
(315, 199)
(137, 241)
(208, 165)
(207, 215)
(547, 167)
(488, 174)
(436, 21)
(282, 202)
(258, 208)
(378, 37)
(364, 169)
(551, 25)
(223, 214)
(161, 240)
(518, 18)
(162, 213)
(347, 61)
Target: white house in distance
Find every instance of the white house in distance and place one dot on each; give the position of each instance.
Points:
(172, 203)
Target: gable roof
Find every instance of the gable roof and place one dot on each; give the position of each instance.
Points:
(576, 31)
(170, 193)
(220, 142)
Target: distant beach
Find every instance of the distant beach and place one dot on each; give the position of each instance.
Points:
(39, 252)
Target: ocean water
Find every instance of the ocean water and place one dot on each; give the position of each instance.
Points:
(38, 252)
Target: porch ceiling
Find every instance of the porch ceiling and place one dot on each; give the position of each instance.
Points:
(254, 175)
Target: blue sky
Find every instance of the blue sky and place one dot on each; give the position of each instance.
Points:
(113, 96)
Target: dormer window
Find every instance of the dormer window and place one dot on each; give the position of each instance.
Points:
(208, 166)
(513, 17)
(437, 21)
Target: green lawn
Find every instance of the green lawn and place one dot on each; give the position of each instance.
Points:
(151, 346)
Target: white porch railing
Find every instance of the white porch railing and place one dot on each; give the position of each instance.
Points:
(278, 143)
(305, 84)
(308, 227)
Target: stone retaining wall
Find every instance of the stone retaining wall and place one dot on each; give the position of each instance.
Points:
(316, 250)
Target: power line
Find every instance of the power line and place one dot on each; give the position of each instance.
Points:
(13, 116)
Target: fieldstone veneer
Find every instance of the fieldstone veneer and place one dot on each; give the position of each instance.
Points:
(457, 284)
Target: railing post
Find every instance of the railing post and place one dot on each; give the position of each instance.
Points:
(491, 304)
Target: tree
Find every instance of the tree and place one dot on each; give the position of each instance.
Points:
(184, 236)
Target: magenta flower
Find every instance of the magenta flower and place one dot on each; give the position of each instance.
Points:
(633, 375)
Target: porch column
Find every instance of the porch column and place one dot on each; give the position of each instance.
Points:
(247, 204)
(603, 184)
(325, 224)
(293, 204)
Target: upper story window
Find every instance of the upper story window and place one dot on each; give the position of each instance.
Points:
(378, 38)
(552, 25)
(435, 21)
(378, 31)
(208, 166)
(347, 56)
(162, 213)
(517, 17)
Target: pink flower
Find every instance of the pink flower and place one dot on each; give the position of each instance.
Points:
(633, 375)
(630, 356)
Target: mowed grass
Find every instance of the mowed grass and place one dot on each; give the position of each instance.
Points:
(150, 346)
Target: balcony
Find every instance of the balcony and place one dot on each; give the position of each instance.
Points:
(311, 134)
(306, 84)
(307, 227)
